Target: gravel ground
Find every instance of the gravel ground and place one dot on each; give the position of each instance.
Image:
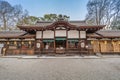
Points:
(59, 69)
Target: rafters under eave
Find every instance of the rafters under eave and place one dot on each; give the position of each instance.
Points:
(65, 24)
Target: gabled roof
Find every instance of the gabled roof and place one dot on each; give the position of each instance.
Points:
(46, 23)
(70, 25)
(43, 23)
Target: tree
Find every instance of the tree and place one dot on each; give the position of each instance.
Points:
(5, 12)
(53, 17)
(29, 20)
(47, 17)
(116, 20)
(102, 11)
(116, 23)
(10, 15)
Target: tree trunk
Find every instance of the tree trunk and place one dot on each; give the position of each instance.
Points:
(4, 22)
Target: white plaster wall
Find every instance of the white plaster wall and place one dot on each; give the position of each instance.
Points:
(60, 33)
(39, 34)
(48, 34)
(73, 34)
(82, 34)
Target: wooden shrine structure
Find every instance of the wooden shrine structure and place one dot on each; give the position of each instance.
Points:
(59, 37)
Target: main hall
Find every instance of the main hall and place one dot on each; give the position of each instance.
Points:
(60, 37)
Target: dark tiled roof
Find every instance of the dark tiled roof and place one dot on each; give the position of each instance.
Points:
(72, 25)
(78, 23)
(98, 34)
(11, 33)
(109, 33)
(105, 34)
(46, 23)
(43, 23)
(93, 35)
(14, 34)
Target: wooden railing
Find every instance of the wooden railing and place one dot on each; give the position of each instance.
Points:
(19, 51)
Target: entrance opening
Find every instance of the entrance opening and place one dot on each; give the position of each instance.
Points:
(60, 45)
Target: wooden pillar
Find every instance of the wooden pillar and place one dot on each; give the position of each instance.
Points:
(15, 43)
(119, 45)
(79, 46)
(29, 42)
(8, 43)
(66, 40)
(99, 46)
(21, 47)
(22, 43)
(79, 35)
(41, 43)
(92, 45)
(105, 42)
(54, 42)
(6, 48)
(112, 45)
(35, 46)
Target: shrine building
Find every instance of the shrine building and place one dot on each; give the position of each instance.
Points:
(60, 37)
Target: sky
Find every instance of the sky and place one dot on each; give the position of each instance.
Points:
(76, 9)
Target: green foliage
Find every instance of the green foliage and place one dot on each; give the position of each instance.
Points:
(47, 17)
(28, 20)
(54, 17)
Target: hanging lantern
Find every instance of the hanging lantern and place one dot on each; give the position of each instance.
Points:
(29, 42)
(112, 42)
(98, 42)
(22, 42)
(8, 42)
(105, 42)
(119, 42)
(92, 42)
(15, 42)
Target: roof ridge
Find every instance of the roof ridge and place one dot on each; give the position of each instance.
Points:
(99, 34)
(56, 21)
(23, 34)
(109, 30)
(12, 31)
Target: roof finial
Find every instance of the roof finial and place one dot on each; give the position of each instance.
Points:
(62, 17)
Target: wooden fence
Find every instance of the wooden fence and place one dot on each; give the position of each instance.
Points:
(105, 45)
